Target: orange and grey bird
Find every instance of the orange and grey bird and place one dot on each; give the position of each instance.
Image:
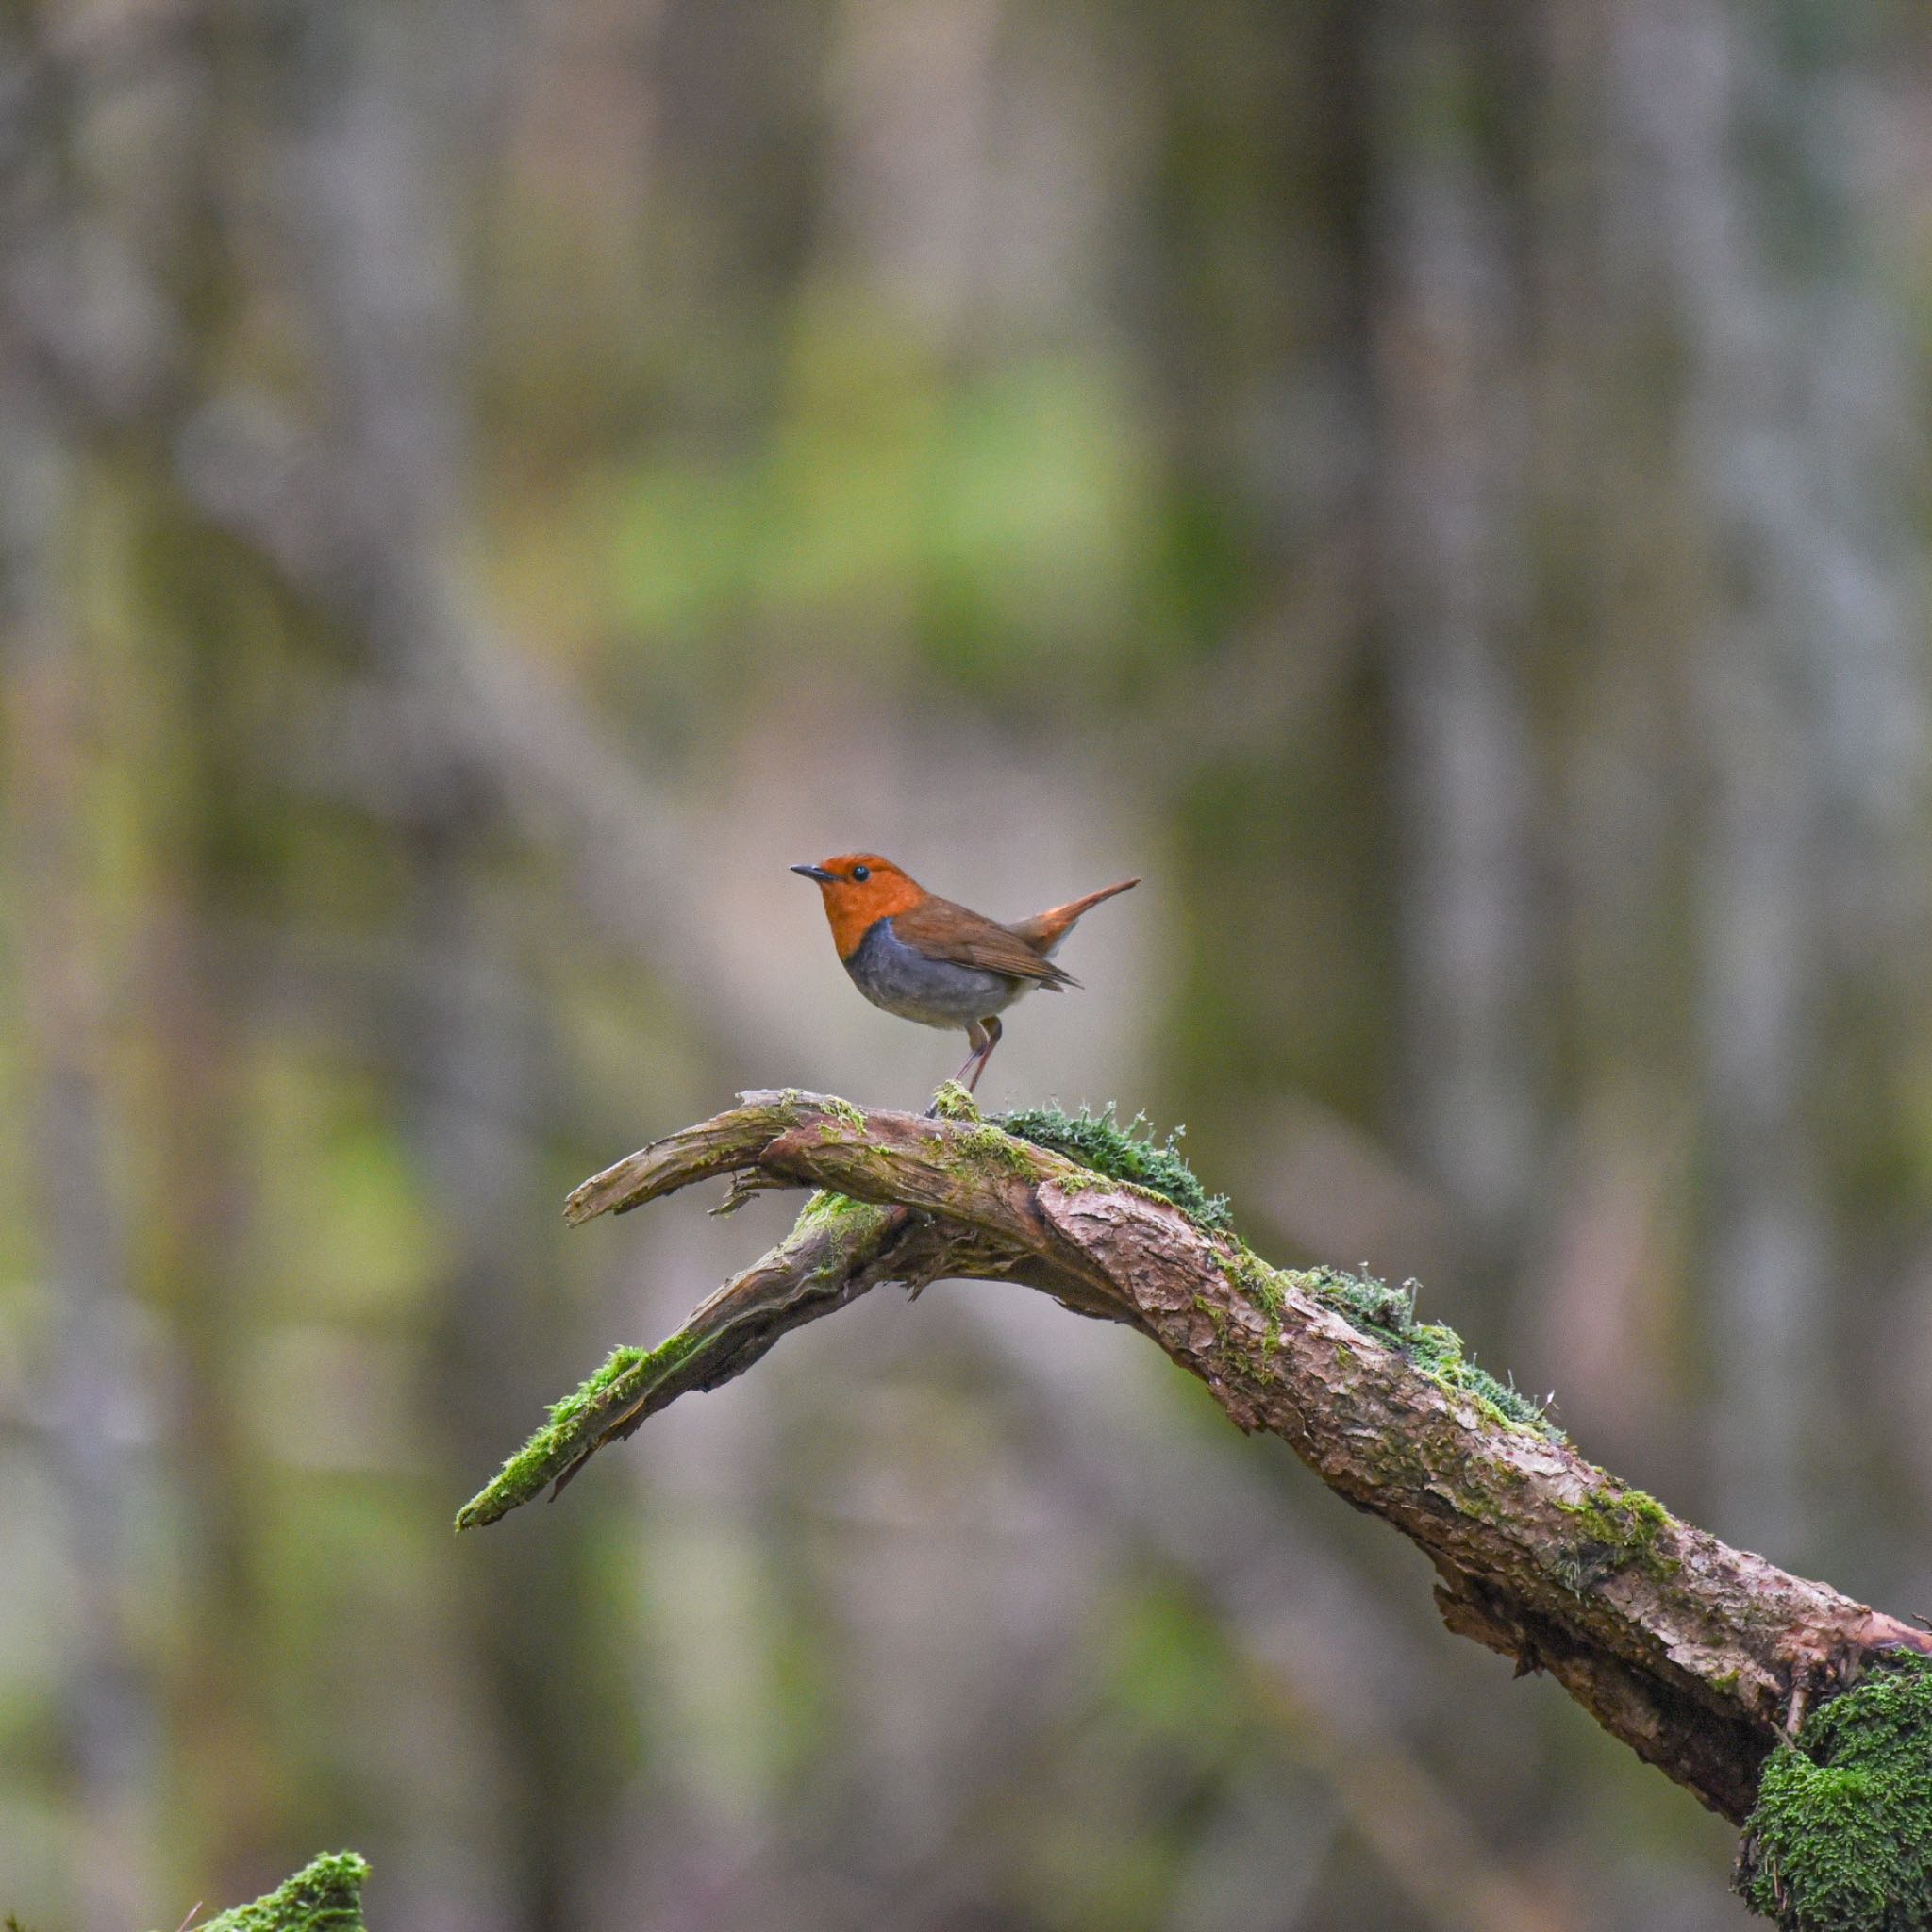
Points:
(928, 960)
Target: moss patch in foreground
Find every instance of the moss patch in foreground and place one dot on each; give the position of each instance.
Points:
(325, 1897)
(1129, 1154)
(1841, 1837)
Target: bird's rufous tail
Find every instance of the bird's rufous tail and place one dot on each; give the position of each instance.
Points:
(1045, 930)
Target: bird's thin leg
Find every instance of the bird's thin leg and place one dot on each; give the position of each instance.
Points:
(982, 1046)
(992, 1029)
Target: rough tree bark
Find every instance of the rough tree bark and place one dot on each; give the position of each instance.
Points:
(1697, 1655)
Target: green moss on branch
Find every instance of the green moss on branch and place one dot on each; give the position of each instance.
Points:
(827, 1209)
(1841, 1837)
(1387, 1315)
(1128, 1154)
(833, 1238)
(1616, 1529)
(627, 1374)
(1622, 1519)
(953, 1103)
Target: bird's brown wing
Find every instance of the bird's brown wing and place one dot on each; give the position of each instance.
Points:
(942, 930)
(1045, 930)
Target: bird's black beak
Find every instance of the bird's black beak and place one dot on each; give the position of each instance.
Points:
(815, 871)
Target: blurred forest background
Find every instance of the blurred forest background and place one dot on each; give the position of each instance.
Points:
(1440, 488)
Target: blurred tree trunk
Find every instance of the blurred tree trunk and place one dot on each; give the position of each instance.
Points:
(381, 202)
(105, 196)
(96, 1385)
(1450, 585)
(1731, 142)
(157, 191)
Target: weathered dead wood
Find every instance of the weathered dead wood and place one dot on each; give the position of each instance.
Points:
(1698, 1656)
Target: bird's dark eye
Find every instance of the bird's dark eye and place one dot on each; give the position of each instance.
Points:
(861, 874)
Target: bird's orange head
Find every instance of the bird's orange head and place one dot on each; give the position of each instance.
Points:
(859, 889)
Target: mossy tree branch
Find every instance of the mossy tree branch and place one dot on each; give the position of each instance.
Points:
(1701, 1657)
